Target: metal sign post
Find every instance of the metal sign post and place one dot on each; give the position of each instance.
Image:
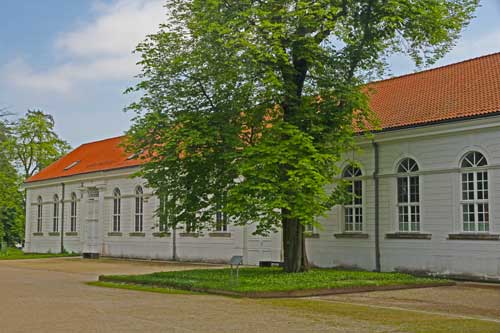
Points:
(235, 261)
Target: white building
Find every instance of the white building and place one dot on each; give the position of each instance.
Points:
(428, 186)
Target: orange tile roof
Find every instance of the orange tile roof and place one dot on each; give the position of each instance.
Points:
(94, 156)
(467, 89)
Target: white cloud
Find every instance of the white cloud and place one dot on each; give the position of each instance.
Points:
(468, 48)
(117, 29)
(100, 49)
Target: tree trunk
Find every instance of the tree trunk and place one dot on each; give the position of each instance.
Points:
(295, 258)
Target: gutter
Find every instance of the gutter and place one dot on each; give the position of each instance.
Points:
(78, 177)
(376, 180)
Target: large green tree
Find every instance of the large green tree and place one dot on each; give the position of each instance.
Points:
(247, 106)
(33, 143)
(27, 146)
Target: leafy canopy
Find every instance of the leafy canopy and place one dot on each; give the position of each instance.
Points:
(270, 94)
(33, 144)
(11, 199)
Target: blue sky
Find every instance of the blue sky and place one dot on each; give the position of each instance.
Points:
(73, 58)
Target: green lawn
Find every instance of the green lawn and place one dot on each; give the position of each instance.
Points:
(268, 280)
(15, 254)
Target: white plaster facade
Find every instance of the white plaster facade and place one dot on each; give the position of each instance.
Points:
(438, 150)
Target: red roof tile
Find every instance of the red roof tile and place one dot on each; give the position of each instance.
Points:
(91, 157)
(467, 89)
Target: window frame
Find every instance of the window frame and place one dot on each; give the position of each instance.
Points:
(39, 216)
(73, 216)
(116, 213)
(413, 208)
(139, 210)
(221, 222)
(163, 215)
(474, 170)
(354, 178)
(55, 214)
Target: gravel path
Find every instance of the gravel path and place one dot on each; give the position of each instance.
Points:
(48, 295)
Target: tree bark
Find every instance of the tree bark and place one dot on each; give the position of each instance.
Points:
(294, 250)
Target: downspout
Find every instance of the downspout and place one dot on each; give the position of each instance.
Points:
(62, 219)
(377, 204)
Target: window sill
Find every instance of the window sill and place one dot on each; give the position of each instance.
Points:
(137, 234)
(38, 234)
(71, 233)
(161, 234)
(488, 237)
(219, 234)
(351, 235)
(189, 234)
(114, 233)
(408, 235)
(54, 234)
(311, 235)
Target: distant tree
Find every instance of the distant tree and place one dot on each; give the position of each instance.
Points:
(11, 206)
(11, 199)
(270, 94)
(33, 144)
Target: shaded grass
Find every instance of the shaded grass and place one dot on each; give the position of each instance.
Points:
(392, 319)
(141, 288)
(268, 279)
(16, 254)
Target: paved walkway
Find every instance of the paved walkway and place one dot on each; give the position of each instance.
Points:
(48, 295)
(474, 300)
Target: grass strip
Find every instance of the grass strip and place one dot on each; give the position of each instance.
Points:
(140, 288)
(16, 254)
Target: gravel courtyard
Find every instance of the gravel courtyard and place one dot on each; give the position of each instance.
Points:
(50, 295)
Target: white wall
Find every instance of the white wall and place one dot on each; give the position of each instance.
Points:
(438, 158)
(437, 149)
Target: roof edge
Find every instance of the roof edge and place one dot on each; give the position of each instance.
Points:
(432, 69)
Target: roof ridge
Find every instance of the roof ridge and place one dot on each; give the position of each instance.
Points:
(434, 69)
(102, 140)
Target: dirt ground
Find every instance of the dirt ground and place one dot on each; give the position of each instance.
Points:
(49, 295)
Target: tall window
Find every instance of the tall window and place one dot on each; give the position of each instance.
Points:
(408, 196)
(72, 216)
(39, 214)
(163, 214)
(220, 221)
(55, 222)
(139, 209)
(474, 203)
(353, 210)
(117, 207)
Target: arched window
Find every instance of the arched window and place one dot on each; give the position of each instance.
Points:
(55, 221)
(139, 209)
(39, 214)
(408, 196)
(73, 213)
(474, 198)
(353, 210)
(117, 207)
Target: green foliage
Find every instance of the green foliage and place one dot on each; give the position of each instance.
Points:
(269, 93)
(11, 199)
(268, 279)
(33, 143)
(27, 146)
